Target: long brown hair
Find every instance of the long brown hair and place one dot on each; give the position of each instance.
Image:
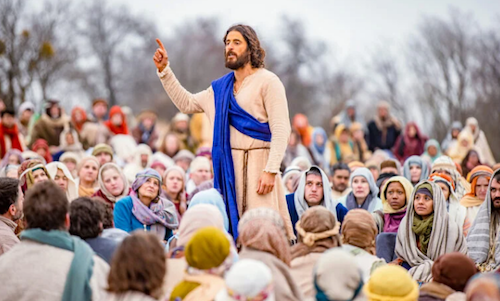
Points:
(139, 264)
(257, 53)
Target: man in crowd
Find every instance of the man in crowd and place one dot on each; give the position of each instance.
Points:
(10, 138)
(384, 130)
(200, 171)
(49, 263)
(11, 210)
(146, 132)
(253, 134)
(483, 239)
(340, 180)
(103, 152)
(99, 110)
(313, 190)
(86, 222)
(25, 112)
(50, 126)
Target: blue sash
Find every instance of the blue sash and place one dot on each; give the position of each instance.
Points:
(228, 112)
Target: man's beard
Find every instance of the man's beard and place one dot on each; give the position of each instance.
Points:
(338, 188)
(493, 204)
(240, 62)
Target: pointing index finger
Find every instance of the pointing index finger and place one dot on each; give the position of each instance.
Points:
(160, 44)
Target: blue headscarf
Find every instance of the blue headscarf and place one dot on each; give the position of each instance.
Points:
(416, 160)
(435, 143)
(211, 197)
(319, 131)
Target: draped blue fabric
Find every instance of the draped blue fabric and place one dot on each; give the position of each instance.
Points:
(228, 112)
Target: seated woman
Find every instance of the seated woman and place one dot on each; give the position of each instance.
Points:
(212, 197)
(137, 269)
(30, 173)
(427, 232)
(12, 157)
(432, 151)
(470, 161)
(358, 238)
(456, 211)
(318, 231)
(61, 175)
(144, 208)
(208, 255)
(262, 236)
(113, 184)
(415, 169)
(364, 192)
(174, 188)
(445, 164)
(479, 178)
(87, 176)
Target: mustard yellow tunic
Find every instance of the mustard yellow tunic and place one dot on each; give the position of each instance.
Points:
(263, 96)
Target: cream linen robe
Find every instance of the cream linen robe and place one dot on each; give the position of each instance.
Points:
(263, 96)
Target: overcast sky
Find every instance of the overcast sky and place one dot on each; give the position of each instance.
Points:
(348, 26)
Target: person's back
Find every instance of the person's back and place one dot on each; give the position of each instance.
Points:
(49, 263)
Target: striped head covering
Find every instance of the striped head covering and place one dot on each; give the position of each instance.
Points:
(263, 229)
(445, 163)
(25, 172)
(479, 236)
(471, 199)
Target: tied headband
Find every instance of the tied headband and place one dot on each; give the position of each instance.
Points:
(309, 238)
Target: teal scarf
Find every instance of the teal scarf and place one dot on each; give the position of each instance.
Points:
(77, 287)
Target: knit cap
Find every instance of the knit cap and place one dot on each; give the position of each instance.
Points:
(391, 283)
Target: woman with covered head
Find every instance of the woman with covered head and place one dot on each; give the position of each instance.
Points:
(117, 123)
(364, 192)
(432, 151)
(479, 178)
(343, 147)
(262, 236)
(415, 169)
(456, 211)
(318, 231)
(142, 160)
(291, 179)
(144, 208)
(336, 277)
(41, 147)
(320, 150)
(113, 184)
(32, 172)
(465, 143)
(445, 164)
(358, 238)
(470, 161)
(480, 141)
(63, 178)
(87, 176)
(248, 279)
(208, 255)
(427, 232)
(411, 143)
(12, 157)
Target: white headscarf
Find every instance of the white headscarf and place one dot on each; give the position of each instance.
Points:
(72, 190)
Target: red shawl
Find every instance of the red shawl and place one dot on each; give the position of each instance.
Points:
(78, 125)
(117, 130)
(13, 134)
(41, 143)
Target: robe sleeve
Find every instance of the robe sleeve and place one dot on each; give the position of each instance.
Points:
(185, 101)
(279, 122)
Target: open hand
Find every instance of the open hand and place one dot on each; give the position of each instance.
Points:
(266, 183)
(160, 58)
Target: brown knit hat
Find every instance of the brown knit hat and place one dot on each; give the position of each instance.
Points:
(388, 163)
(102, 148)
(454, 270)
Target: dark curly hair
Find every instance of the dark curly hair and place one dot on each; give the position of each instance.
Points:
(86, 218)
(257, 53)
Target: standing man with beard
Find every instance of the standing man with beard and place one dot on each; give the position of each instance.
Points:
(340, 180)
(249, 112)
(483, 240)
(11, 210)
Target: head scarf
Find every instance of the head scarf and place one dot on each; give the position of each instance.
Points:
(320, 152)
(393, 218)
(105, 191)
(359, 230)
(72, 190)
(9, 167)
(29, 155)
(117, 129)
(212, 197)
(42, 144)
(143, 149)
(63, 144)
(429, 143)
(78, 125)
(248, 279)
(263, 229)
(454, 270)
(291, 171)
(208, 257)
(26, 170)
(416, 160)
(337, 277)
(446, 236)
(161, 213)
(299, 197)
(473, 176)
(302, 162)
(391, 283)
(318, 231)
(447, 164)
(102, 148)
(479, 238)
(459, 152)
(372, 200)
(198, 217)
(12, 152)
(473, 121)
